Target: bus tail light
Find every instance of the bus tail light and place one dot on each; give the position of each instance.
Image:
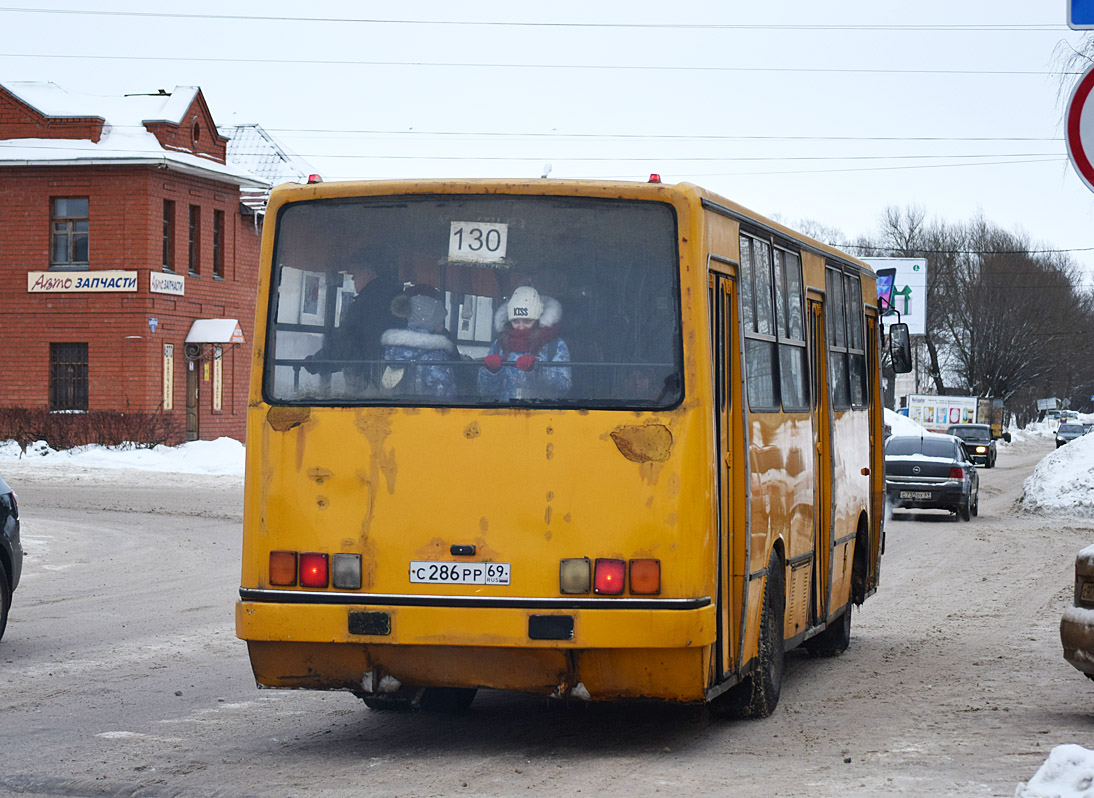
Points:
(283, 568)
(609, 577)
(345, 571)
(645, 577)
(313, 570)
(574, 576)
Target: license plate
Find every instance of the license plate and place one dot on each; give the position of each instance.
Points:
(915, 494)
(459, 573)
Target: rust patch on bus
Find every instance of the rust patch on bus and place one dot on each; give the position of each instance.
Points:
(647, 443)
(472, 430)
(283, 419)
(319, 475)
(376, 428)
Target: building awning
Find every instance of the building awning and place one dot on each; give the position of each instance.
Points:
(215, 331)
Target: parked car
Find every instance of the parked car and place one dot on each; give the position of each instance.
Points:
(11, 550)
(931, 471)
(1068, 431)
(1077, 625)
(978, 441)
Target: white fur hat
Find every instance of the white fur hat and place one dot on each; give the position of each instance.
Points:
(525, 303)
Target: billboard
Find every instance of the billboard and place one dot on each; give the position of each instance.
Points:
(906, 291)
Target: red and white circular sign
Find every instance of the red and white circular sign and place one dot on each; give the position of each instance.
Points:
(1080, 128)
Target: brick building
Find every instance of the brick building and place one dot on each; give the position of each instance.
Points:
(129, 255)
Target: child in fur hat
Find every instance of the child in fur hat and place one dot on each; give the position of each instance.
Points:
(527, 327)
(414, 357)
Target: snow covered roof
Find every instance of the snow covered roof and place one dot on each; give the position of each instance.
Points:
(215, 331)
(252, 148)
(125, 138)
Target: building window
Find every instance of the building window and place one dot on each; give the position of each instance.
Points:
(68, 376)
(168, 235)
(69, 224)
(218, 244)
(195, 240)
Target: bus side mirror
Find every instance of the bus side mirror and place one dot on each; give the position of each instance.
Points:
(900, 348)
(1006, 437)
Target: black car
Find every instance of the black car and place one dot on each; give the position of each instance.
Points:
(11, 551)
(978, 441)
(931, 471)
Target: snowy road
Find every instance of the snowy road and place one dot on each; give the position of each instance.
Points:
(120, 673)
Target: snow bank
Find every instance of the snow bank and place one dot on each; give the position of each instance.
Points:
(902, 425)
(1067, 773)
(222, 456)
(1063, 481)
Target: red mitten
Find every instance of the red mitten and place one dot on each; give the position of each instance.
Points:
(492, 363)
(525, 362)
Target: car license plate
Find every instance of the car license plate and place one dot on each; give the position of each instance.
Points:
(915, 494)
(459, 573)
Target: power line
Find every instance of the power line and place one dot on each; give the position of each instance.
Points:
(651, 136)
(513, 24)
(591, 67)
(1040, 156)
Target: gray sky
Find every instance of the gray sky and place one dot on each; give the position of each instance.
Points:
(827, 111)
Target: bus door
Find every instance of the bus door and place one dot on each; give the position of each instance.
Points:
(822, 460)
(877, 475)
(731, 572)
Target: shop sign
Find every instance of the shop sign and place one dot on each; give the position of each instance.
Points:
(160, 283)
(80, 282)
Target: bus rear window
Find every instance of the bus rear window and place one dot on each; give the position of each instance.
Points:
(475, 301)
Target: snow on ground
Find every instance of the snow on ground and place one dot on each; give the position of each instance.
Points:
(1063, 482)
(1067, 773)
(222, 456)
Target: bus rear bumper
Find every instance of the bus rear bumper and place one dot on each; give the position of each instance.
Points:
(613, 653)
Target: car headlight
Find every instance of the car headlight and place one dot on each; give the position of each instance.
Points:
(981, 449)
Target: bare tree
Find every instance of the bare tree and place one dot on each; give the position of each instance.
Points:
(998, 311)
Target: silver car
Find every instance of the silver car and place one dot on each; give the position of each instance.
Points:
(1068, 431)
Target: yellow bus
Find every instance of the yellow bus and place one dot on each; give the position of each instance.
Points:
(586, 439)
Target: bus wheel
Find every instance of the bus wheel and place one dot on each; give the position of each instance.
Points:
(450, 700)
(758, 695)
(834, 640)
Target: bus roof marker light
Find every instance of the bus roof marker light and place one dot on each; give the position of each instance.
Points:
(315, 179)
(313, 570)
(645, 577)
(655, 178)
(609, 577)
(575, 575)
(283, 568)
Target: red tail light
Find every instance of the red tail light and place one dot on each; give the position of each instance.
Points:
(313, 570)
(609, 577)
(957, 473)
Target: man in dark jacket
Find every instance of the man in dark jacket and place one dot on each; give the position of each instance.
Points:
(354, 346)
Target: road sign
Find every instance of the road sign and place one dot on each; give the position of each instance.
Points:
(1079, 127)
(1080, 14)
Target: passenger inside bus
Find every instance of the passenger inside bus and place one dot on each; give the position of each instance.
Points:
(354, 347)
(521, 363)
(415, 356)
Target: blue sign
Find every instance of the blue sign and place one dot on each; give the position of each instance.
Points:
(1080, 14)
